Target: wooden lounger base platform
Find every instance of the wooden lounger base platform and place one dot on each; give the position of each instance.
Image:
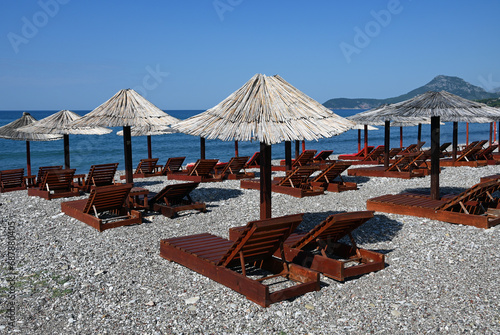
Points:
(336, 186)
(380, 171)
(451, 162)
(75, 210)
(196, 252)
(171, 211)
(293, 191)
(360, 162)
(197, 179)
(52, 195)
(247, 175)
(423, 206)
(141, 175)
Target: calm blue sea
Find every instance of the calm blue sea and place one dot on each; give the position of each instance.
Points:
(86, 150)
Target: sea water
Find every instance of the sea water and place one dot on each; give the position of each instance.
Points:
(86, 150)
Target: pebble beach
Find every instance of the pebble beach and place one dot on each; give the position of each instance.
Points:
(71, 279)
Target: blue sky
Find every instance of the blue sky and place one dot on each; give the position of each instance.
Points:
(191, 54)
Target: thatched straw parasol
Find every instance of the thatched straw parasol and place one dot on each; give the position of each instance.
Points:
(439, 106)
(268, 110)
(10, 131)
(61, 123)
(149, 131)
(125, 109)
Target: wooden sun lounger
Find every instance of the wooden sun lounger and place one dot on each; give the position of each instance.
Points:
(173, 165)
(295, 183)
(12, 180)
(175, 198)
(319, 249)
(99, 175)
(35, 181)
(202, 171)
(105, 208)
(360, 155)
(487, 154)
(147, 167)
(239, 264)
(323, 156)
(475, 206)
(467, 156)
(56, 184)
(234, 169)
(407, 166)
(254, 161)
(326, 179)
(305, 158)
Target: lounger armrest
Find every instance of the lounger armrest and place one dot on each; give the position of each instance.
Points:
(29, 180)
(78, 179)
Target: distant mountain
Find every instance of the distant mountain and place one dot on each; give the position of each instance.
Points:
(454, 85)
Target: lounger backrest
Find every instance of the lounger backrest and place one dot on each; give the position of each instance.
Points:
(444, 146)
(261, 239)
(486, 152)
(297, 176)
(471, 150)
(58, 180)
(479, 192)
(174, 194)
(375, 153)
(254, 160)
(147, 165)
(235, 165)
(304, 158)
(203, 167)
(173, 164)
(323, 155)
(42, 170)
(331, 172)
(102, 174)
(11, 178)
(334, 227)
(104, 198)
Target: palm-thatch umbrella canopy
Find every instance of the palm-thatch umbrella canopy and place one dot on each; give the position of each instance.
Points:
(125, 109)
(150, 131)
(269, 110)
(439, 106)
(60, 123)
(10, 131)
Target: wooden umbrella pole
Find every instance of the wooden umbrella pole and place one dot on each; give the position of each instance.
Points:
(401, 137)
(435, 153)
(455, 140)
(387, 143)
(359, 140)
(202, 147)
(303, 146)
(288, 155)
(236, 151)
(297, 149)
(265, 181)
(66, 151)
(419, 135)
(127, 146)
(467, 134)
(150, 154)
(491, 133)
(28, 158)
(366, 139)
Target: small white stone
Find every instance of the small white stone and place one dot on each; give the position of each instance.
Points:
(192, 300)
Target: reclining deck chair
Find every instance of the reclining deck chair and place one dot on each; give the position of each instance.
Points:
(201, 171)
(12, 180)
(254, 161)
(56, 184)
(487, 154)
(233, 169)
(105, 208)
(467, 157)
(360, 155)
(295, 183)
(475, 206)
(173, 165)
(146, 168)
(319, 249)
(326, 178)
(305, 158)
(99, 175)
(323, 156)
(175, 198)
(233, 263)
(35, 181)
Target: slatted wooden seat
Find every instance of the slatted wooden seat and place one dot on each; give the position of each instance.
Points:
(56, 184)
(173, 165)
(12, 180)
(202, 171)
(330, 178)
(105, 208)
(360, 155)
(319, 249)
(475, 206)
(235, 169)
(254, 161)
(305, 158)
(36, 181)
(147, 167)
(233, 264)
(99, 175)
(175, 198)
(295, 183)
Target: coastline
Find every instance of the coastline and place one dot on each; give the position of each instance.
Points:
(73, 279)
